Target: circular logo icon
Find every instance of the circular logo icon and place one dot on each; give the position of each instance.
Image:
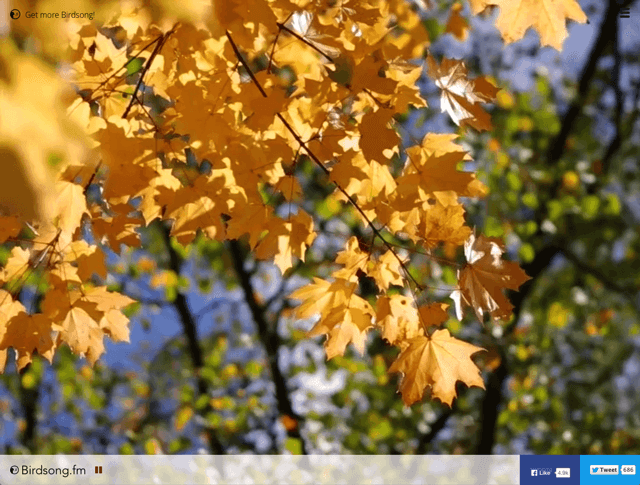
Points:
(15, 14)
(14, 469)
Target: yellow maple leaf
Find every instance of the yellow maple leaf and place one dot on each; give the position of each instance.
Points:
(398, 317)
(26, 334)
(9, 228)
(548, 17)
(286, 240)
(82, 333)
(107, 307)
(345, 324)
(439, 223)
(249, 218)
(89, 258)
(344, 316)
(261, 111)
(43, 131)
(432, 173)
(460, 95)
(438, 361)
(457, 25)
(441, 143)
(17, 264)
(70, 206)
(378, 141)
(386, 270)
(149, 206)
(62, 273)
(321, 296)
(116, 325)
(482, 280)
(9, 308)
(353, 258)
(119, 229)
(478, 6)
(104, 300)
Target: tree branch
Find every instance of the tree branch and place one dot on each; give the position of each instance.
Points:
(494, 394)
(281, 26)
(155, 52)
(29, 400)
(191, 333)
(437, 426)
(317, 161)
(604, 38)
(270, 339)
(611, 284)
(493, 397)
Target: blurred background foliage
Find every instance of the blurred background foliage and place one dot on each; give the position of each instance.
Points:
(218, 363)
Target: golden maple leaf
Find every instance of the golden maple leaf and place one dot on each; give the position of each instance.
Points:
(461, 95)
(398, 318)
(548, 17)
(345, 317)
(28, 333)
(321, 296)
(377, 137)
(457, 25)
(438, 361)
(386, 271)
(353, 258)
(286, 239)
(347, 324)
(484, 277)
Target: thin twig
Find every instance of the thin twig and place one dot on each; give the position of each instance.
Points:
(115, 73)
(299, 37)
(155, 52)
(321, 165)
(275, 42)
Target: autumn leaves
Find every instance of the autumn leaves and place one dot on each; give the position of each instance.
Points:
(256, 91)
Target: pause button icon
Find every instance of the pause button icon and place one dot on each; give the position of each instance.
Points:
(98, 469)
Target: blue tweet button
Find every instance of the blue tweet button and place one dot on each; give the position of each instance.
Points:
(609, 469)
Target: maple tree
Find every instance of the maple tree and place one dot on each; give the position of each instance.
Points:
(203, 117)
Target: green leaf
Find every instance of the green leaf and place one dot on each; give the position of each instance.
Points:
(527, 253)
(612, 206)
(126, 449)
(555, 209)
(381, 431)
(493, 227)
(530, 200)
(434, 28)
(514, 181)
(590, 206)
(135, 65)
(202, 402)
(293, 446)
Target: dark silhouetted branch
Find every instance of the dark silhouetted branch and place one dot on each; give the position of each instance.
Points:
(270, 339)
(190, 331)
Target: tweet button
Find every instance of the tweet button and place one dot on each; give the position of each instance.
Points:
(603, 469)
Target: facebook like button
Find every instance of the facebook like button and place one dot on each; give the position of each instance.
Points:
(603, 469)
